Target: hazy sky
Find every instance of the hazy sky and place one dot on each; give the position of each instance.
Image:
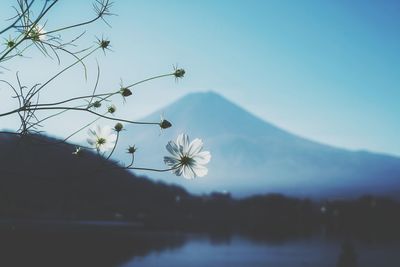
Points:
(325, 70)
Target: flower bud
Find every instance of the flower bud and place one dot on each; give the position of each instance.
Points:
(104, 44)
(132, 149)
(111, 109)
(164, 124)
(118, 127)
(125, 92)
(96, 104)
(10, 43)
(179, 73)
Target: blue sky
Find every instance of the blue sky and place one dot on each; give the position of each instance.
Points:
(325, 70)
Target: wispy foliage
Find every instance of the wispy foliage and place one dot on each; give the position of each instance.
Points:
(28, 30)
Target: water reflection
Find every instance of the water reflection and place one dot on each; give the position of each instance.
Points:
(115, 248)
(242, 251)
(80, 249)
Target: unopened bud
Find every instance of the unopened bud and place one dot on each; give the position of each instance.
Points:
(10, 43)
(132, 149)
(111, 109)
(125, 92)
(179, 73)
(118, 127)
(104, 44)
(164, 124)
(96, 104)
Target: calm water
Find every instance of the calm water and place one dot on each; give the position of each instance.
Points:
(240, 251)
(122, 248)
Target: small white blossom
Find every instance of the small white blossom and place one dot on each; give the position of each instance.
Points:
(187, 158)
(38, 33)
(102, 138)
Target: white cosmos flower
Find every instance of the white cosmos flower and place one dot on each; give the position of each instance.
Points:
(38, 33)
(102, 138)
(186, 158)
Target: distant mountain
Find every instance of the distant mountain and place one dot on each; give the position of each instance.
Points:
(252, 156)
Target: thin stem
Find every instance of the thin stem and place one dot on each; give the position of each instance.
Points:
(62, 71)
(80, 129)
(75, 98)
(90, 111)
(100, 15)
(150, 169)
(133, 159)
(115, 145)
(18, 18)
(51, 116)
(149, 79)
(11, 112)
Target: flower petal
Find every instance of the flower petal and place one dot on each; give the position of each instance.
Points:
(173, 149)
(91, 141)
(188, 172)
(202, 157)
(200, 170)
(171, 161)
(183, 143)
(108, 146)
(195, 147)
(178, 171)
(112, 138)
(92, 132)
(99, 130)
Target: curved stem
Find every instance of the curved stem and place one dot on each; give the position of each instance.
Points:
(18, 18)
(115, 145)
(74, 98)
(100, 15)
(11, 112)
(95, 113)
(149, 79)
(80, 129)
(62, 71)
(150, 169)
(133, 159)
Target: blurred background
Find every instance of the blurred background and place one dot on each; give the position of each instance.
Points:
(297, 101)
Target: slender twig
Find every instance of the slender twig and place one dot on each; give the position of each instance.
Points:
(115, 145)
(149, 79)
(19, 17)
(102, 11)
(90, 111)
(151, 169)
(65, 69)
(80, 129)
(27, 33)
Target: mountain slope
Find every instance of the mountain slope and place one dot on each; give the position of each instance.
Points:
(252, 156)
